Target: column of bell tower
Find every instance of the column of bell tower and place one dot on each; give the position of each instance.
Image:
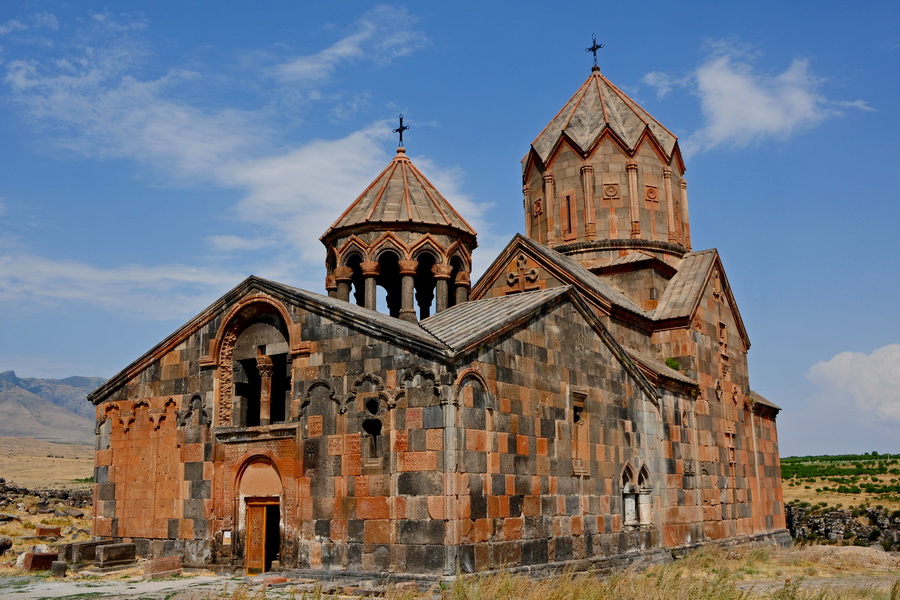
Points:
(400, 235)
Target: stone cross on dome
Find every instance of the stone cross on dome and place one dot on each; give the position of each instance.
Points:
(400, 130)
(593, 48)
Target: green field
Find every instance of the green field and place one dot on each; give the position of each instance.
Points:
(843, 481)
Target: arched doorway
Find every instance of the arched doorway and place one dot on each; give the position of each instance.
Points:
(260, 497)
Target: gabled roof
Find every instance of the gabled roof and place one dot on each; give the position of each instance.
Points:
(470, 322)
(759, 399)
(444, 336)
(684, 292)
(362, 319)
(630, 260)
(658, 368)
(467, 326)
(596, 107)
(565, 269)
(679, 301)
(401, 195)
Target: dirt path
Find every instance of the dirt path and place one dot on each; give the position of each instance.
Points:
(183, 588)
(880, 582)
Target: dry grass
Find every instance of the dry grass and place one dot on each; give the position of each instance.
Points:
(38, 464)
(802, 490)
(23, 532)
(708, 574)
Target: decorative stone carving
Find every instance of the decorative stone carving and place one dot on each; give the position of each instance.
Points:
(522, 277)
(442, 271)
(343, 274)
(369, 268)
(226, 378)
(408, 267)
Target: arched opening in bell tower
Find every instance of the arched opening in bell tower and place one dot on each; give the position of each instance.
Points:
(388, 296)
(425, 284)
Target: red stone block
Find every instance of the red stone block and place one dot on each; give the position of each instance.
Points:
(47, 531)
(162, 567)
(521, 444)
(39, 561)
(377, 532)
(372, 508)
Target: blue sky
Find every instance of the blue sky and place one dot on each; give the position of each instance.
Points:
(155, 154)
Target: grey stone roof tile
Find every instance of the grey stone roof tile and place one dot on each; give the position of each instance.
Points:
(596, 106)
(685, 287)
(759, 399)
(401, 194)
(469, 322)
(658, 366)
(585, 277)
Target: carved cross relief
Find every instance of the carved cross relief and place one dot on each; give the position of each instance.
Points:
(524, 278)
(612, 200)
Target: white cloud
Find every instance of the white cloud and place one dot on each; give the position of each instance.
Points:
(860, 104)
(94, 102)
(663, 82)
(154, 292)
(12, 25)
(379, 36)
(235, 243)
(864, 386)
(742, 105)
(35, 21)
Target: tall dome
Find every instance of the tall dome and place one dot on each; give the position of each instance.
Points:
(604, 178)
(401, 235)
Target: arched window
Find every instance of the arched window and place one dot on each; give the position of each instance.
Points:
(629, 499)
(425, 283)
(262, 372)
(389, 281)
(457, 265)
(354, 261)
(643, 499)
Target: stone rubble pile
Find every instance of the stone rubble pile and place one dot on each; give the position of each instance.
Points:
(872, 526)
(12, 496)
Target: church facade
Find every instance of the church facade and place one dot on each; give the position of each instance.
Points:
(586, 402)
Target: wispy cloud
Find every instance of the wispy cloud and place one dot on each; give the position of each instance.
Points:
(863, 386)
(742, 105)
(154, 292)
(34, 21)
(90, 96)
(380, 36)
(663, 82)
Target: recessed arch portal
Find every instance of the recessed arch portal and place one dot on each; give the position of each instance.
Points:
(261, 494)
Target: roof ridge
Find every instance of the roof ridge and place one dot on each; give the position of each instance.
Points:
(634, 105)
(395, 197)
(626, 120)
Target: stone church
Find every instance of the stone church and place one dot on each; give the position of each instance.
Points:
(586, 402)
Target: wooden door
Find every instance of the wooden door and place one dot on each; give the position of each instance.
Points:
(256, 539)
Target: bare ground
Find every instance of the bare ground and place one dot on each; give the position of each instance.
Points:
(39, 464)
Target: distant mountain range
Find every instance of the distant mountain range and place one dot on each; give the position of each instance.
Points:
(48, 409)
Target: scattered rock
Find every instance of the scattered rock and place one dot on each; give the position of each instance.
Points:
(841, 526)
(58, 568)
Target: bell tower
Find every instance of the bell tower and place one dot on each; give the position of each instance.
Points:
(605, 179)
(402, 236)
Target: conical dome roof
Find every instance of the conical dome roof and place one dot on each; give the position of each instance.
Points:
(599, 105)
(400, 195)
